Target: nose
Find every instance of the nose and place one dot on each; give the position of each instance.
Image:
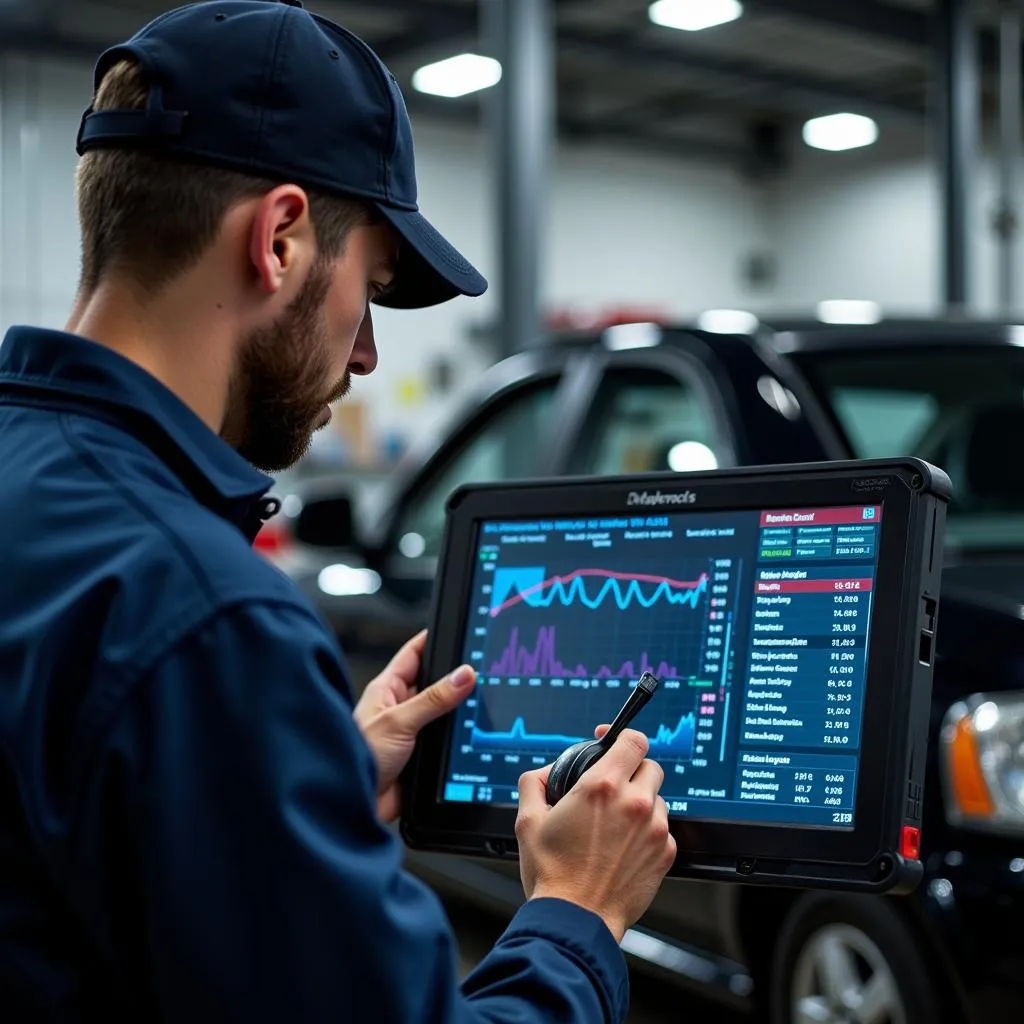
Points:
(363, 360)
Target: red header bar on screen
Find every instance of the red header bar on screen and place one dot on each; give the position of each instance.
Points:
(862, 515)
(833, 586)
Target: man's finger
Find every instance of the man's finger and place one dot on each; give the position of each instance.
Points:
(624, 756)
(649, 776)
(533, 790)
(436, 700)
(406, 663)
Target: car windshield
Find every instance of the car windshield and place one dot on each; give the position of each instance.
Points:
(961, 408)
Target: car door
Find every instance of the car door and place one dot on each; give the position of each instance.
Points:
(517, 429)
(651, 411)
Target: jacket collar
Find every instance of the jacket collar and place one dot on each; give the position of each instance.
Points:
(64, 369)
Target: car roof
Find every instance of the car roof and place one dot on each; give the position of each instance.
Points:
(793, 335)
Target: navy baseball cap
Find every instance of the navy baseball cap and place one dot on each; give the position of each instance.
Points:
(268, 88)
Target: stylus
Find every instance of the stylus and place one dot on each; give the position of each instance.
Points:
(635, 702)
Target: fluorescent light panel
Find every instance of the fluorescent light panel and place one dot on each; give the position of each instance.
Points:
(457, 76)
(694, 15)
(836, 132)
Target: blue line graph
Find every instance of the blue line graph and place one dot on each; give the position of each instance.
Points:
(517, 738)
(529, 585)
(665, 742)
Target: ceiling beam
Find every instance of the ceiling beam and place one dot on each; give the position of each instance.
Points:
(47, 43)
(682, 105)
(915, 28)
(439, 30)
(28, 14)
(471, 111)
(806, 91)
(868, 17)
(613, 48)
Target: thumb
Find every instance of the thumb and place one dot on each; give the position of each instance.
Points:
(533, 790)
(436, 700)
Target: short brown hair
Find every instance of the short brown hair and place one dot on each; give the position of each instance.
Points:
(151, 217)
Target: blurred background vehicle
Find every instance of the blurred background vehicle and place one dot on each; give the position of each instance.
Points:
(641, 397)
(308, 482)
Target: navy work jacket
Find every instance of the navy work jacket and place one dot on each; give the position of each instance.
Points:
(187, 808)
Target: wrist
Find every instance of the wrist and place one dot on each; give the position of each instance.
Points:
(613, 922)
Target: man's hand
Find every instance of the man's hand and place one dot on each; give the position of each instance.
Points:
(390, 714)
(606, 844)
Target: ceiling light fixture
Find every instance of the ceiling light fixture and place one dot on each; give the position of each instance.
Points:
(836, 132)
(457, 76)
(694, 15)
(849, 311)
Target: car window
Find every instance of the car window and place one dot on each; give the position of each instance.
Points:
(506, 442)
(883, 423)
(644, 420)
(959, 407)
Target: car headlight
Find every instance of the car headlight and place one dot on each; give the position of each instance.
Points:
(982, 753)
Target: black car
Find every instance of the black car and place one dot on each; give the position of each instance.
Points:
(644, 397)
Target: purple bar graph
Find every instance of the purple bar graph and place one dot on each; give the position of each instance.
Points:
(542, 660)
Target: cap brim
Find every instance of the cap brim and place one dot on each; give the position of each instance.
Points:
(430, 271)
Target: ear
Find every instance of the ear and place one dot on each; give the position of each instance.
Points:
(282, 242)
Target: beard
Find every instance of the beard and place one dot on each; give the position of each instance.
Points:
(277, 395)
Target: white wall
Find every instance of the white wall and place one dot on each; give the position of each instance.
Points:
(621, 228)
(861, 225)
(867, 224)
(39, 119)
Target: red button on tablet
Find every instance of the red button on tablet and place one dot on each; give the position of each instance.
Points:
(910, 843)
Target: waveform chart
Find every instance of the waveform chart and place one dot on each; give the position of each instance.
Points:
(598, 623)
(533, 587)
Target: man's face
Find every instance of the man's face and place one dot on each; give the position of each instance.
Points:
(289, 372)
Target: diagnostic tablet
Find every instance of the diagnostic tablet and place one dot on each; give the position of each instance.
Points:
(789, 615)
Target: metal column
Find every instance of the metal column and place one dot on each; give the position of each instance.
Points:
(520, 35)
(1006, 221)
(958, 96)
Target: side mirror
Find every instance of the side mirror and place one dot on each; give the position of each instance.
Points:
(326, 523)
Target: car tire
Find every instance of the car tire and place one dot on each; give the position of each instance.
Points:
(850, 960)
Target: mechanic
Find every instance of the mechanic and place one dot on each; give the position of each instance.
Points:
(194, 817)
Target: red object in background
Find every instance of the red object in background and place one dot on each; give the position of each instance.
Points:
(598, 320)
(274, 537)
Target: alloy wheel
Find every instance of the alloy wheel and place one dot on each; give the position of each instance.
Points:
(841, 977)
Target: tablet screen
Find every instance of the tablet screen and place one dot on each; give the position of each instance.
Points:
(756, 622)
